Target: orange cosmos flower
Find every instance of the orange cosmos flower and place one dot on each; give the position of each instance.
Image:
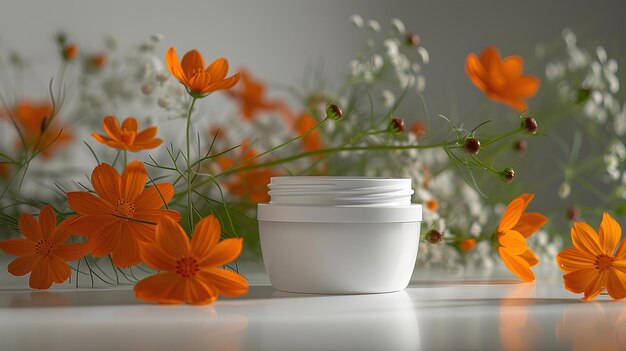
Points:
(515, 226)
(127, 137)
(591, 266)
(200, 81)
(189, 271)
(115, 220)
(501, 80)
(40, 134)
(251, 97)
(313, 140)
(467, 245)
(69, 52)
(43, 252)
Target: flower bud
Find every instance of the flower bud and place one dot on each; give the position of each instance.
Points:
(413, 39)
(471, 146)
(334, 112)
(466, 245)
(44, 124)
(162, 77)
(434, 236)
(147, 88)
(397, 125)
(530, 124)
(573, 213)
(507, 175)
(520, 146)
(69, 52)
(163, 102)
(97, 61)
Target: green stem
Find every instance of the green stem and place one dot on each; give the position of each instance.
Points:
(491, 141)
(189, 166)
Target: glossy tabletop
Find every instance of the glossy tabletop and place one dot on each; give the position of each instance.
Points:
(438, 311)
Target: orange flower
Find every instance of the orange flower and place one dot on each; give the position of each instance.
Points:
(115, 219)
(43, 252)
(127, 137)
(501, 80)
(69, 52)
(418, 128)
(40, 134)
(251, 97)
(189, 271)
(466, 245)
(515, 226)
(591, 266)
(200, 81)
(312, 141)
(97, 62)
(250, 184)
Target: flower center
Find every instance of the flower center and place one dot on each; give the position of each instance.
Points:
(124, 208)
(128, 136)
(187, 267)
(44, 247)
(604, 262)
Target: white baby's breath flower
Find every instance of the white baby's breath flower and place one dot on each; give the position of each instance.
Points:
(389, 99)
(564, 190)
(420, 84)
(423, 54)
(398, 26)
(373, 25)
(357, 21)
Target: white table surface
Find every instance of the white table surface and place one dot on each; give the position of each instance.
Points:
(438, 311)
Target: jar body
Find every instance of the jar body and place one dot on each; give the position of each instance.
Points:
(339, 257)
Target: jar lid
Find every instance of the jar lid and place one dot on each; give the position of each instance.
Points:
(342, 214)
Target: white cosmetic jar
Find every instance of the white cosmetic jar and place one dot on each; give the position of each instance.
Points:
(339, 235)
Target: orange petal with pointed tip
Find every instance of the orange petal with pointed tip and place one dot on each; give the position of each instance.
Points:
(227, 283)
(516, 265)
(205, 236)
(157, 258)
(523, 87)
(58, 269)
(106, 182)
(146, 135)
(88, 204)
(47, 221)
(173, 65)
(111, 127)
(201, 293)
(571, 259)
(171, 237)
(513, 241)
(126, 252)
(157, 287)
(512, 214)
(41, 276)
(192, 63)
(530, 257)
(476, 71)
(71, 252)
(130, 124)
(218, 69)
(155, 197)
(29, 227)
(224, 252)
(610, 233)
(596, 285)
(133, 180)
(616, 284)
(586, 239)
(224, 84)
(529, 223)
(18, 247)
(490, 58)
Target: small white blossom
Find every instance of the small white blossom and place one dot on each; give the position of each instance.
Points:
(398, 26)
(357, 21)
(373, 25)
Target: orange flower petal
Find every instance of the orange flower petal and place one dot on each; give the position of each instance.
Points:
(512, 66)
(516, 265)
(62, 232)
(106, 182)
(130, 124)
(155, 197)
(577, 281)
(571, 259)
(513, 241)
(88, 204)
(616, 284)
(156, 287)
(192, 63)
(24, 264)
(610, 233)
(133, 180)
(171, 237)
(620, 254)
(150, 144)
(596, 285)
(224, 252)
(529, 257)
(40, 277)
(205, 236)
(201, 293)
(586, 239)
(18, 247)
(523, 87)
(104, 140)
(227, 283)
(512, 214)
(224, 84)
(155, 216)
(126, 252)
(157, 258)
(529, 223)
(86, 225)
(29, 227)
(58, 269)
(47, 221)
(173, 65)
(476, 71)
(490, 58)
(200, 82)
(71, 252)
(218, 69)
(146, 135)
(104, 239)
(141, 231)
(111, 127)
